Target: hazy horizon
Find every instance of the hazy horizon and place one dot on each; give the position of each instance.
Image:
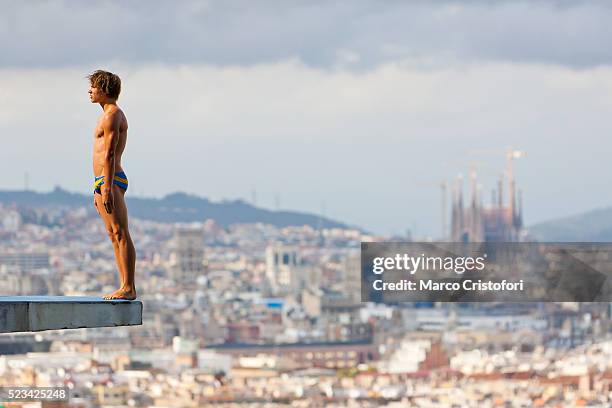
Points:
(435, 235)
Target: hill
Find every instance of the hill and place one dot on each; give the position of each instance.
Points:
(176, 207)
(591, 226)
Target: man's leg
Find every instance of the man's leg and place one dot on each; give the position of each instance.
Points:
(106, 218)
(125, 253)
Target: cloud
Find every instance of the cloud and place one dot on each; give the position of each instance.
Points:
(359, 34)
(372, 145)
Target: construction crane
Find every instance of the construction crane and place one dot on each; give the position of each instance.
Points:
(443, 185)
(511, 155)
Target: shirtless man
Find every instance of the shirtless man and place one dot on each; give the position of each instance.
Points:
(110, 137)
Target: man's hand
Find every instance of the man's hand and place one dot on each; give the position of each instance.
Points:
(107, 198)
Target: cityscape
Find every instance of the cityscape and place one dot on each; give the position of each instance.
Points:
(343, 204)
(257, 315)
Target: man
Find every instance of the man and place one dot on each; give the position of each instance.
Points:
(110, 182)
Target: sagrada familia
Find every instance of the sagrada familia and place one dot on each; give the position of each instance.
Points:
(500, 222)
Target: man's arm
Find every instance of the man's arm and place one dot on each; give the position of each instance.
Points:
(110, 125)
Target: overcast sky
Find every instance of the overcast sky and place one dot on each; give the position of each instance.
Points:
(357, 108)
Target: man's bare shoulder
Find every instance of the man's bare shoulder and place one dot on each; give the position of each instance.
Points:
(114, 117)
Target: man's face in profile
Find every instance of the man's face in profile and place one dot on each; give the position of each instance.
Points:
(95, 94)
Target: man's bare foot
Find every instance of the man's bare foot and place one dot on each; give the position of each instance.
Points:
(122, 293)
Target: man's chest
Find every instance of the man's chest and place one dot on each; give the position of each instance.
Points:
(98, 130)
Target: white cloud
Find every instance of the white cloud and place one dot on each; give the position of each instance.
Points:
(365, 143)
(64, 33)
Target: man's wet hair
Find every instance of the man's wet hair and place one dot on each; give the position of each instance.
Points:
(108, 82)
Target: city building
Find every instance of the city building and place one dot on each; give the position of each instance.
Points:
(287, 272)
(187, 255)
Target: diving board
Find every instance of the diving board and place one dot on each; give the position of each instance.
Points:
(37, 313)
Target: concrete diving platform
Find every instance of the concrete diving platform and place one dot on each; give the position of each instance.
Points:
(37, 313)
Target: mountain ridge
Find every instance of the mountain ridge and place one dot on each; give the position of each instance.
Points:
(591, 226)
(177, 207)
